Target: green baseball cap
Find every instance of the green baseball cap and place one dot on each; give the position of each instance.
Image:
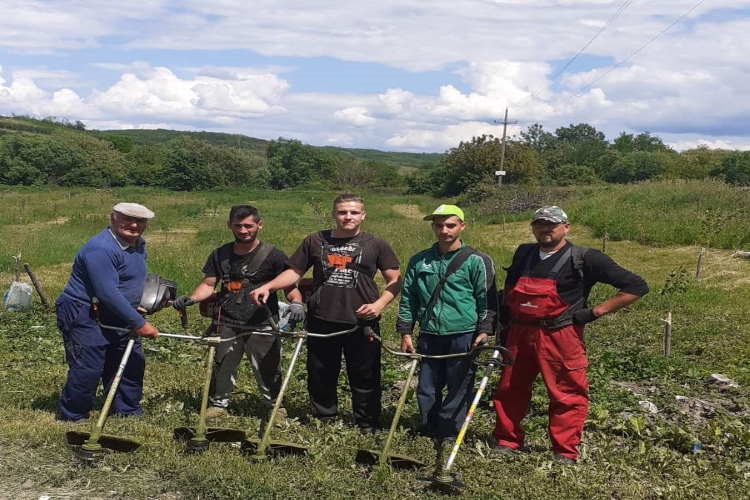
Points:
(446, 211)
(553, 214)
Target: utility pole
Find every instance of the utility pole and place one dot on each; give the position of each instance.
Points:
(500, 173)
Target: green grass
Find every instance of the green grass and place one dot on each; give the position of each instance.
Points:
(627, 452)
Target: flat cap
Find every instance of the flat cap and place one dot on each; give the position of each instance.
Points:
(133, 210)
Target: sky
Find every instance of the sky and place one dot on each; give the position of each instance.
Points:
(409, 75)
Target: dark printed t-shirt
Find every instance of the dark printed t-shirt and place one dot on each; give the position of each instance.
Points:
(274, 264)
(343, 272)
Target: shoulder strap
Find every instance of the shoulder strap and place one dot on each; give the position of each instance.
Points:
(578, 256)
(525, 258)
(262, 253)
(455, 264)
(221, 266)
(560, 263)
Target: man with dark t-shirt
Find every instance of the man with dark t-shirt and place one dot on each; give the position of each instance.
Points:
(238, 267)
(344, 262)
(544, 313)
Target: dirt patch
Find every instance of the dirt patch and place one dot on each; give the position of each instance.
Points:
(685, 408)
(59, 221)
(408, 211)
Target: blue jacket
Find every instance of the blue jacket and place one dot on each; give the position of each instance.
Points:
(115, 275)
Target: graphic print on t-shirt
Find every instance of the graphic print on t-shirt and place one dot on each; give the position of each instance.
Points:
(335, 259)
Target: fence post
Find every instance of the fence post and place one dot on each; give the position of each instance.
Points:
(667, 335)
(699, 264)
(605, 239)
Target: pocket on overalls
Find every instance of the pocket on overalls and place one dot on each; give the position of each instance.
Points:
(570, 347)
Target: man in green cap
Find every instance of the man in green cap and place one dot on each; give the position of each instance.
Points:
(449, 289)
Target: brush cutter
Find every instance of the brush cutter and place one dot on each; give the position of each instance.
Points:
(197, 439)
(257, 449)
(90, 447)
(444, 481)
(384, 457)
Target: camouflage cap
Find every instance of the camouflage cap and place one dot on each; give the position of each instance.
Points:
(553, 214)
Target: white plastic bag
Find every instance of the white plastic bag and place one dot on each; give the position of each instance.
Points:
(18, 296)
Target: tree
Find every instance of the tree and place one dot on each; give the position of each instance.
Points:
(637, 166)
(571, 175)
(292, 163)
(580, 144)
(537, 138)
(475, 162)
(735, 168)
(628, 143)
(698, 163)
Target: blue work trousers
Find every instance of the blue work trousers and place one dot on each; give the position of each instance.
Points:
(89, 364)
(445, 385)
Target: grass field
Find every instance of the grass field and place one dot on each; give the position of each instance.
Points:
(628, 452)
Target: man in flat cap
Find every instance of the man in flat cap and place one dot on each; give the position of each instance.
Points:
(449, 289)
(544, 312)
(110, 267)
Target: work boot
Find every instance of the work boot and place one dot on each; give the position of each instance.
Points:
(503, 451)
(564, 460)
(214, 412)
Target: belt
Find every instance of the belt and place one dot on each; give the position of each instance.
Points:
(547, 324)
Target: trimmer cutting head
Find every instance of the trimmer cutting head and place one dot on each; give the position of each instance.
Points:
(372, 457)
(447, 484)
(213, 435)
(249, 448)
(92, 453)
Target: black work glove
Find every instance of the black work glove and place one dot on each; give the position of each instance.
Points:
(583, 316)
(181, 302)
(296, 312)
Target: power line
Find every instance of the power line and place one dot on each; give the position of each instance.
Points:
(624, 5)
(638, 50)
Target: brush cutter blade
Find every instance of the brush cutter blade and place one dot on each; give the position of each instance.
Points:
(372, 457)
(213, 434)
(114, 443)
(274, 448)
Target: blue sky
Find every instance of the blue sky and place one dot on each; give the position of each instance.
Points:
(407, 75)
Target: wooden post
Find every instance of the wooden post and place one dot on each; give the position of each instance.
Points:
(699, 263)
(667, 335)
(605, 239)
(37, 286)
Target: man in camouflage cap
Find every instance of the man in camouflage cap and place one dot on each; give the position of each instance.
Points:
(543, 315)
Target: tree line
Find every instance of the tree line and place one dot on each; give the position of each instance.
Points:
(39, 152)
(575, 155)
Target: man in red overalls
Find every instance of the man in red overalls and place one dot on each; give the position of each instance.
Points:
(545, 311)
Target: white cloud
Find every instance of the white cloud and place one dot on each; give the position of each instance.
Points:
(354, 115)
(165, 94)
(443, 138)
(689, 85)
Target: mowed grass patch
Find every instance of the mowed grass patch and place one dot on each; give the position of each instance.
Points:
(627, 453)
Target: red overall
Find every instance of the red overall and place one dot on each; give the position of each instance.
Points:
(558, 354)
